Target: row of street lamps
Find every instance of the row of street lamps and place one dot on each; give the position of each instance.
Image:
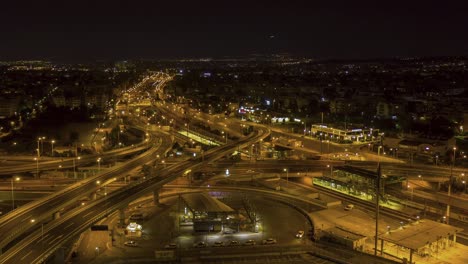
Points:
(40, 146)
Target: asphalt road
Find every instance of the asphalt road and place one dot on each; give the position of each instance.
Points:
(77, 221)
(280, 222)
(27, 217)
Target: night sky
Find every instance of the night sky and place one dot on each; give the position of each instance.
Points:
(71, 30)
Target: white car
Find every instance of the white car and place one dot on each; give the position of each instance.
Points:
(349, 207)
(171, 246)
(218, 244)
(130, 243)
(299, 234)
(269, 241)
(249, 242)
(200, 244)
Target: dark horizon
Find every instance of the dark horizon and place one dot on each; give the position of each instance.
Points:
(85, 31)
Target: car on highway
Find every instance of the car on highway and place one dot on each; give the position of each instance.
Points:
(299, 234)
(233, 243)
(269, 241)
(249, 242)
(218, 244)
(171, 246)
(349, 207)
(131, 243)
(200, 244)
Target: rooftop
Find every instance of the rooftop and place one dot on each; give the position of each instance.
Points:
(203, 202)
(418, 234)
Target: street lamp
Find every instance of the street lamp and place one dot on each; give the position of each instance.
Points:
(449, 192)
(40, 140)
(224, 136)
(99, 164)
(74, 166)
(37, 166)
(52, 152)
(378, 152)
(38, 147)
(412, 190)
(331, 169)
(287, 175)
(12, 191)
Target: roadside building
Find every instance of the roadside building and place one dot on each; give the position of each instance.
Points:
(349, 134)
(208, 213)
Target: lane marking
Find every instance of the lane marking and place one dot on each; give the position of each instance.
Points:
(57, 238)
(68, 225)
(42, 238)
(25, 218)
(26, 255)
(84, 216)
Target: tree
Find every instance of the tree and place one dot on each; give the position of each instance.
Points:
(74, 136)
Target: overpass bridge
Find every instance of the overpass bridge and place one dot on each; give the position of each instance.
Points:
(17, 222)
(79, 220)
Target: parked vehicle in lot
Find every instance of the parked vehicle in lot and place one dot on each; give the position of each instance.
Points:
(170, 246)
(249, 242)
(233, 243)
(130, 243)
(269, 241)
(218, 244)
(299, 234)
(136, 217)
(200, 244)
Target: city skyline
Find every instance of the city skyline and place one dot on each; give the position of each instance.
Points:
(86, 31)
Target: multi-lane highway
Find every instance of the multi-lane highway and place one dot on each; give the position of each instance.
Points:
(21, 219)
(31, 249)
(52, 164)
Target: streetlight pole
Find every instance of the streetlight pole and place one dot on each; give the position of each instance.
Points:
(38, 148)
(37, 166)
(449, 192)
(99, 164)
(378, 152)
(74, 166)
(52, 152)
(12, 191)
(287, 175)
(412, 191)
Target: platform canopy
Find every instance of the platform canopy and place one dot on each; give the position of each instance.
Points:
(419, 234)
(203, 202)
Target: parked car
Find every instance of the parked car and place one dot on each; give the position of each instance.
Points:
(269, 241)
(170, 246)
(130, 243)
(249, 242)
(299, 234)
(200, 244)
(218, 244)
(233, 243)
(349, 207)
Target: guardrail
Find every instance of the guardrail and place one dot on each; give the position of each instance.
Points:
(48, 200)
(68, 162)
(137, 189)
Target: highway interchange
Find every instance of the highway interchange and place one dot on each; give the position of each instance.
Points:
(41, 236)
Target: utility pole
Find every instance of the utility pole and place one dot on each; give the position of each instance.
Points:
(377, 207)
(449, 192)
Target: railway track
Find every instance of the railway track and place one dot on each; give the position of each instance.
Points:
(367, 205)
